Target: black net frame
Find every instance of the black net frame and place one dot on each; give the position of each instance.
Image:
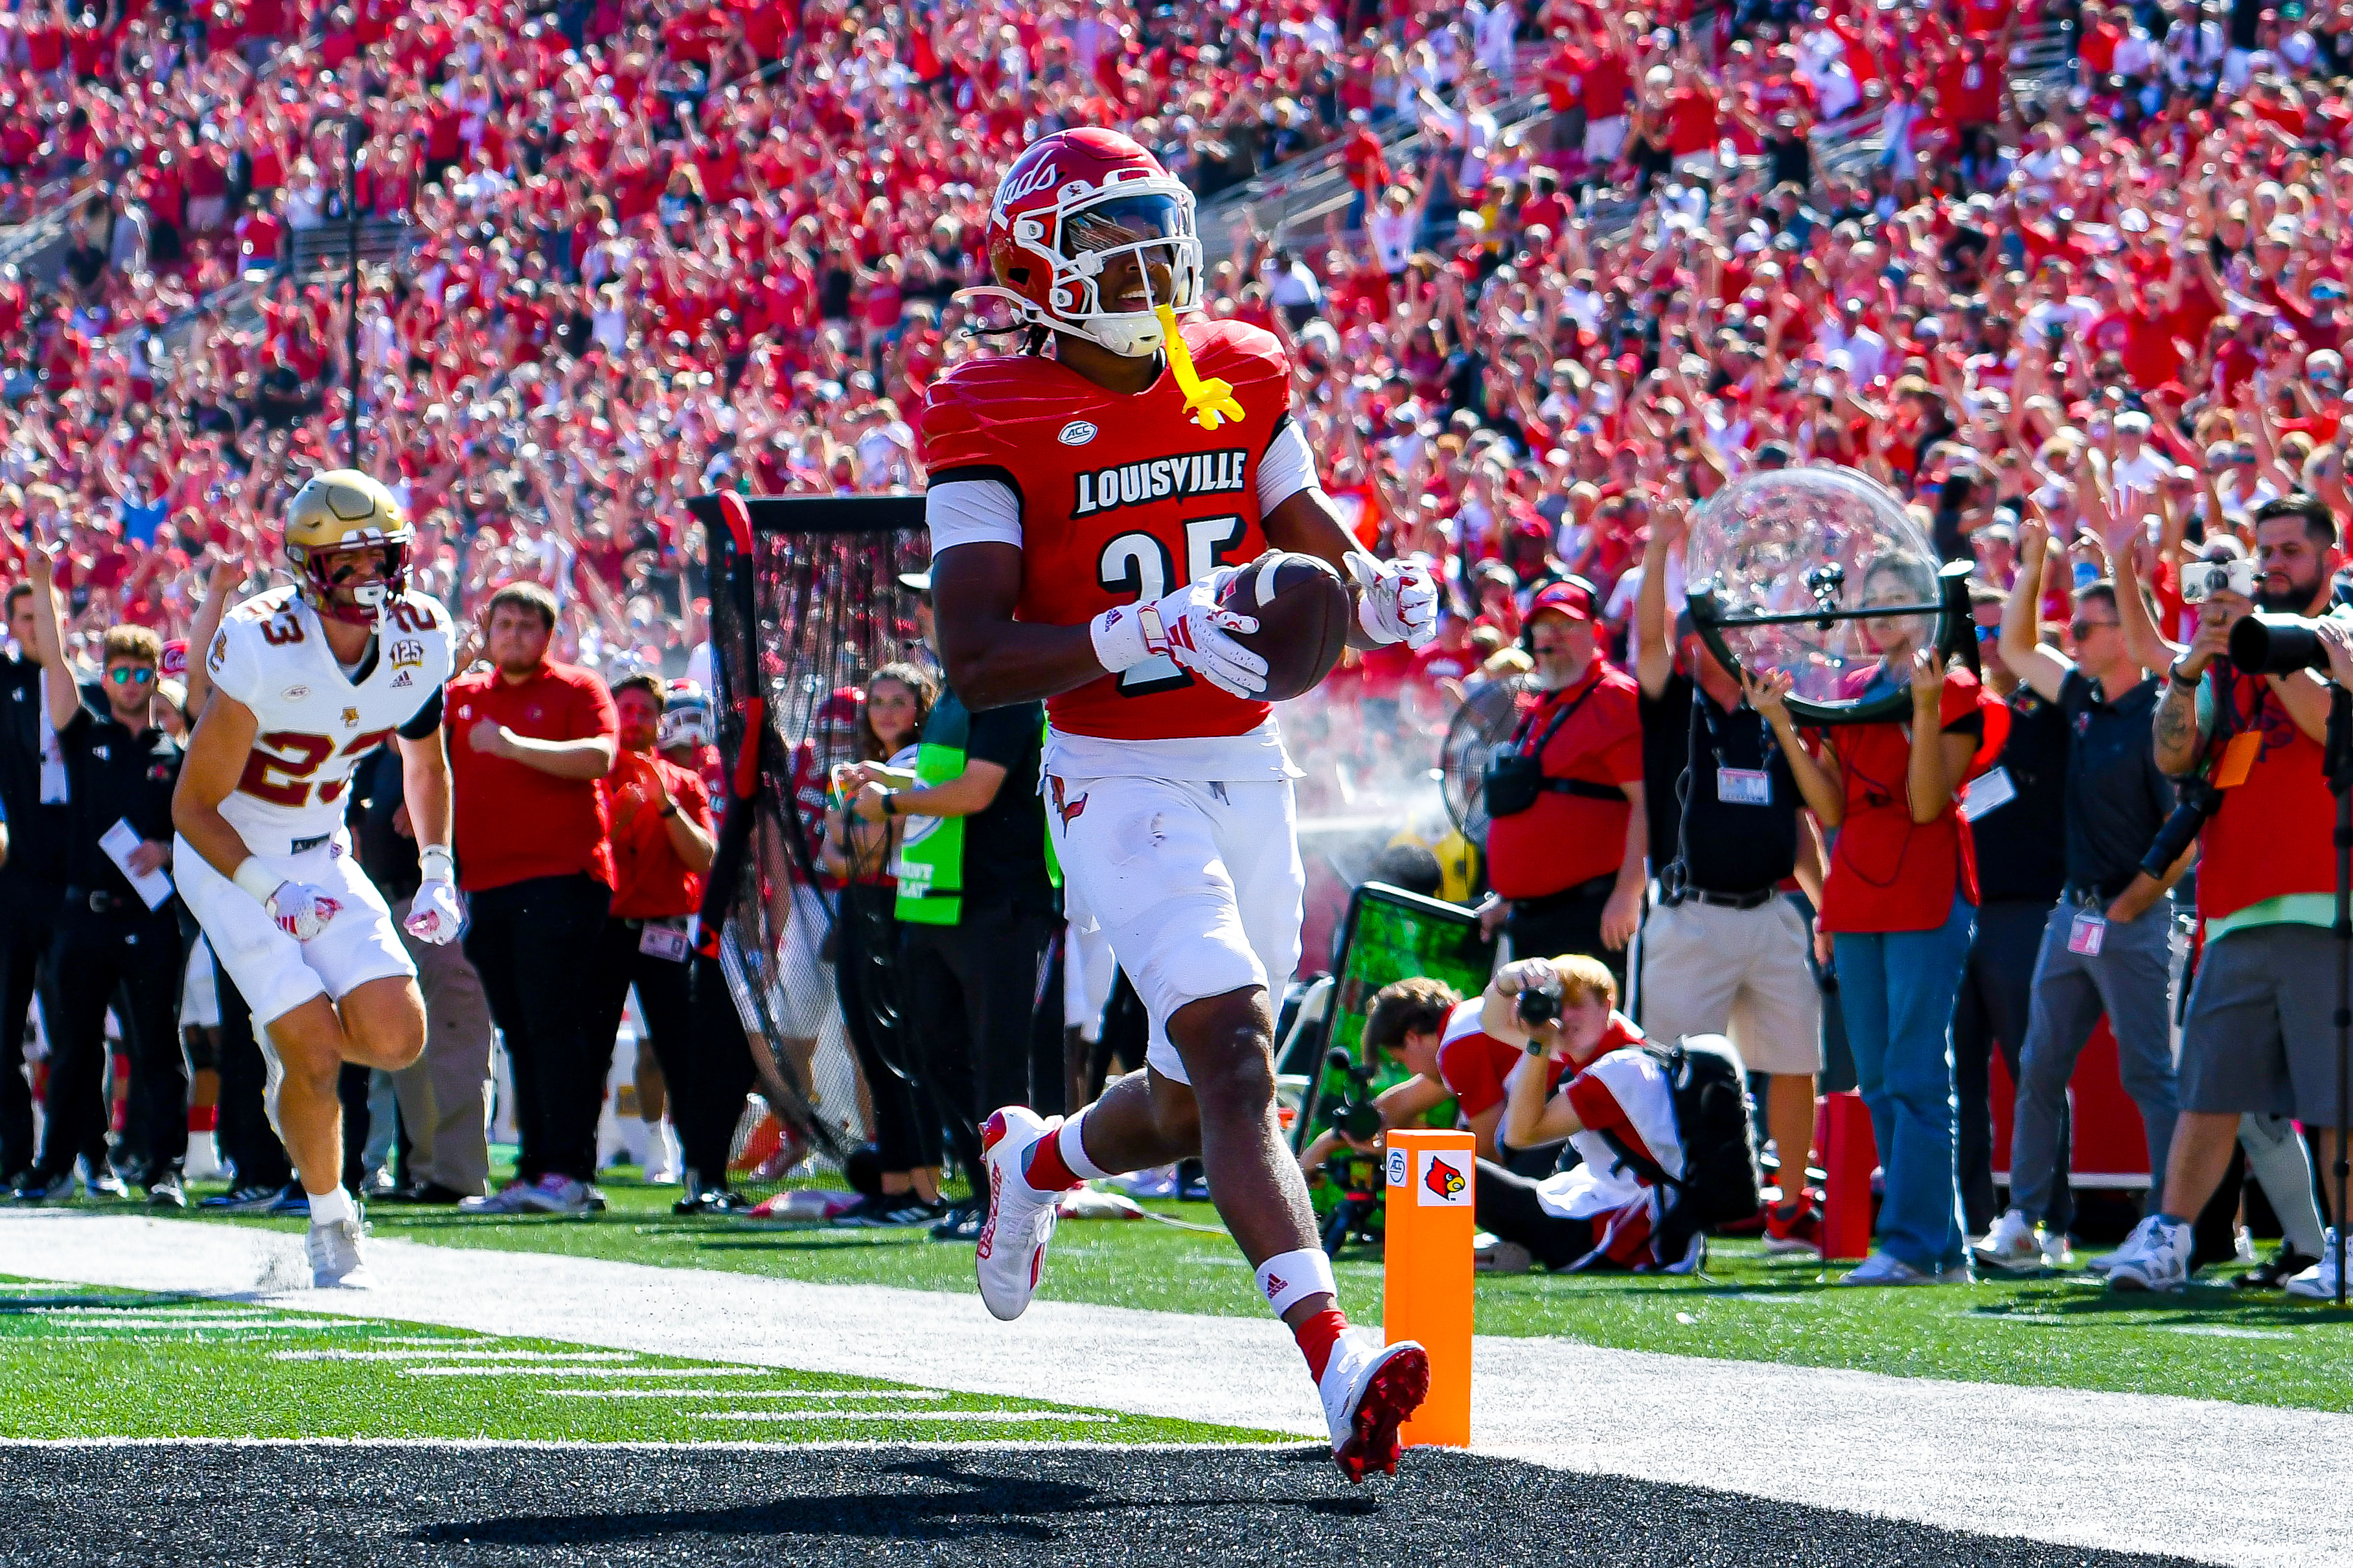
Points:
(805, 602)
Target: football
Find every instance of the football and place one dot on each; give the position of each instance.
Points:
(1302, 612)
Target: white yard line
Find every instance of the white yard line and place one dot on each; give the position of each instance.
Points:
(742, 1394)
(452, 1353)
(2220, 1482)
(507, 1369)
(919, 1418)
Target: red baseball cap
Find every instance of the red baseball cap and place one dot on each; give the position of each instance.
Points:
(1571, 597)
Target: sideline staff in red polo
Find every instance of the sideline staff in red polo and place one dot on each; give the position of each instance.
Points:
(1567, 836)
(529, 738)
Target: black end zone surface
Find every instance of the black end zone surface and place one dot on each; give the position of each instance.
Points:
(197, 1505)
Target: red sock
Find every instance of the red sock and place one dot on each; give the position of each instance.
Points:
(1316, 1336)
(1047, 1169)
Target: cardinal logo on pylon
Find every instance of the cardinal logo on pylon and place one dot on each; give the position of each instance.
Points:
(1444, 1180)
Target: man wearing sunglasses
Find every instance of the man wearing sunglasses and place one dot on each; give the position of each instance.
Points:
(120, 769)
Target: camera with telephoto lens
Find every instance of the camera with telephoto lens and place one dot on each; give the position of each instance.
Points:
(2201, 580)
(2195, 803)
(1539, 1005)
(2266, 644)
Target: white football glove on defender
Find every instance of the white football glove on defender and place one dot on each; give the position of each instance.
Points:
(1189, 626)
(301, 909)
(434, 914)
(1399, 599)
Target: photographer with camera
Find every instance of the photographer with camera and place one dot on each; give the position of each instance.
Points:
(1566, 837)
(1411, 1021)
(1581, 1076)
(2259, 1035)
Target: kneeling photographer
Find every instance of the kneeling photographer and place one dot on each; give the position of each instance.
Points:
(1585, 1076)
(2260, 1034)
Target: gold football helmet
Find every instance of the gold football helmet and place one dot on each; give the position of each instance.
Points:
(337, 525)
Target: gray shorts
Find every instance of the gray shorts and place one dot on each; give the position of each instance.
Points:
(2260, 1034)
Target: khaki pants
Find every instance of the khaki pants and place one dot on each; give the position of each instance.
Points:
(1707, 970)
(444, 1095)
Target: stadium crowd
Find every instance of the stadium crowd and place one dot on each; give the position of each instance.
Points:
(647, 250)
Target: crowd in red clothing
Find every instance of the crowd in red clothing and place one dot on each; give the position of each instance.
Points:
(654, 247)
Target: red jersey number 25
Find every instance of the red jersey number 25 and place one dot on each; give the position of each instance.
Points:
(1139, 564)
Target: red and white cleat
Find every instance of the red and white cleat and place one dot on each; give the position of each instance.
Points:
(1012, 1251)
(1368, 1389)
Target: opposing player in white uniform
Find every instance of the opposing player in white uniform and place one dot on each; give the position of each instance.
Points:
(309, 680)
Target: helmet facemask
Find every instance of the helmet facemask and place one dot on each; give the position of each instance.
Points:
(1139, 241)
(327, 579)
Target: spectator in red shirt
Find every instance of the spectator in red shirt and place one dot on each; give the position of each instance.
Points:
(1566, 837)
(661, 831)
(529, 741)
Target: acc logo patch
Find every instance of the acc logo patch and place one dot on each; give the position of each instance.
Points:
(294, 694)
(1077, 433)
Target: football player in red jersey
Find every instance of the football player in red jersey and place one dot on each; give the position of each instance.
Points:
(1089, 497)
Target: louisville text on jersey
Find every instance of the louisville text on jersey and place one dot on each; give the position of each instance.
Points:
(1157, 478)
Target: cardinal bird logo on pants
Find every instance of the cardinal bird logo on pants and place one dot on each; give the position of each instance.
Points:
(1444, 1180)
(1063, 810)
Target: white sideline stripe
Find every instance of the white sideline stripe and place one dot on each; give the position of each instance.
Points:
(742, 1394)
(1994, 1458)
(587, 1371)
(451, 1354)
(992, 1418)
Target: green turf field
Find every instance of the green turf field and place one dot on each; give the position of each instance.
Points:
(2210, 1343)
(78, 1362)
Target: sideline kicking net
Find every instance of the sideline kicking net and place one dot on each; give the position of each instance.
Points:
(805, 602)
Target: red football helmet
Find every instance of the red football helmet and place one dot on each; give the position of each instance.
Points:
(1068, 207)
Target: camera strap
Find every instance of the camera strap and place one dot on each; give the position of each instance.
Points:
(1519, 739)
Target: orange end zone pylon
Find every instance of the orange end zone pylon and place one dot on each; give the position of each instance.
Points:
(1425, 1296)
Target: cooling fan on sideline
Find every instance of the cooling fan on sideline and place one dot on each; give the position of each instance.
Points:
(1491, 709)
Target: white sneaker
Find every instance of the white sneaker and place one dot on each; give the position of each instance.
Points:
(2318, 1283)
(2155, 1256)
(506, 1200)
(553, 1194)
(662, 1155)
(1369, 1389)
(1886, 1269)
(335, 1260)
(2010, 1245)
(1012, 1250)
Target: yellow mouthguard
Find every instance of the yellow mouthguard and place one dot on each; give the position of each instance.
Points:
(1210, 402)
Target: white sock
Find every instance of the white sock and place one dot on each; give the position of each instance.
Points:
(1290, 1277)
(1073, 1147)
(327, 1208)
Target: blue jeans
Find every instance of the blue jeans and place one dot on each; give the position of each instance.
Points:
(1896, 990)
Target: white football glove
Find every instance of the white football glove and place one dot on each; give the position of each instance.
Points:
(303, 910)
(434, 914)
(1188, 626)
(1399, 599)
